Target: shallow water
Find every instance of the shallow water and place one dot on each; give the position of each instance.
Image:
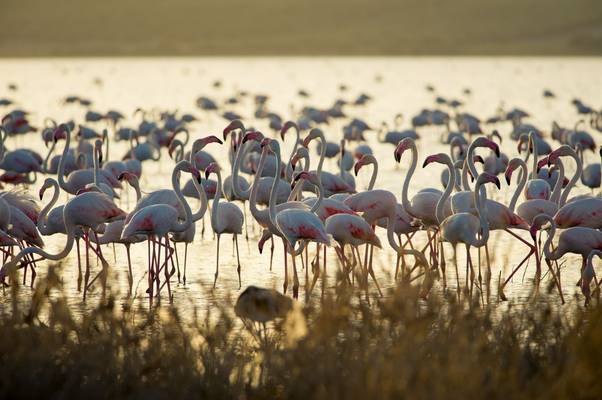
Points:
(396, 85)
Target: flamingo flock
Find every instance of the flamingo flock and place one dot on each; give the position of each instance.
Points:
(310, 202)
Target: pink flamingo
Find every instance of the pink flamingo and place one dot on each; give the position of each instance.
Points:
(588, 274)
(225, 218)
(87, 210)
(332, 183)
(156, 221)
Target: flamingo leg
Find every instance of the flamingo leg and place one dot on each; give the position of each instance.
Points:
(175, 246)
(185, 259)
(285, 286)
(271, 251)
(87, 272)
(295, 277)
(216, 262)
(237, 261)
(79, 265)
(167, 274)
(501, 289)
(130, 274)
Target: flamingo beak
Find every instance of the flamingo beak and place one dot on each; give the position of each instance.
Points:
(356, 168)
(541, 163)
(497, 182)
(212, 139)
(41, 193)
(508, 175)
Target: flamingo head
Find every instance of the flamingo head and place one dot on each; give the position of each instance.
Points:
(252, 135)
(173, 145)
(438, 158)
(541, 163)
(264, 238)
(60, 132)
(485, 142)
(538, 222)
(299, 154)
(497, 135)
(98, 150)
(212, 168)
(128, 176)
(200, 143)
(512, 165)
(563, 150)
(311, 177)
(86, 189)
(402, 146)
(236, 124)
(488, 178)
(287, 125)
(359, 164)
(47, 183)
(47, 136)
(314, 133)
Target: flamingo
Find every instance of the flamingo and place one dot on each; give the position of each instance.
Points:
(464, 227)
(331, 183)
(535, 188)
(587, 274)
(225, 218)
(87, 210)
(157, 220)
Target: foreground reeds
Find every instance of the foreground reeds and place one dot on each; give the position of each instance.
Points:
(397, 347)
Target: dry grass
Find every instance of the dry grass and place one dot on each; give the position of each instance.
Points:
(400, 347)
(293, 27)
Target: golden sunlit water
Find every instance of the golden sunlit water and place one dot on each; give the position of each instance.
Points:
(395, 85)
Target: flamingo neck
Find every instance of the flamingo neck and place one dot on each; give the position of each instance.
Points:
(216, 198)
(374, 175)
(548, 244)
(322, 154)
(449, 187)
(255, 187)
(70, 227)
(175, 182)
(203, 200)
(273, 192)
(289, 167)
(573, 181)
(555, 197)
(240, 152)
(42, 222)
(63, 160)
(480, 198)
(533, 143)
(406, 183)
(50, 151)
(520, 187)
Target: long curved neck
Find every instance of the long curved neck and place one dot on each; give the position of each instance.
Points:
(42, 222)
(216, 198)
(555, 197)
(289, 167)
(296, 192)
(548, 244)
(521, 185)
(175, 182)
(480, 197)
(50, 151)
(374, 175)
(320, 198)
(274, 191)
(406, 183)
(136, 185)
(96, 169)
(535, 156)
(240, 153)
(53, 257)
(255, 187)
(398, 249)
(573, 181)
(62, 162)
(105, 136)
(471, 167)
(322, 154)
(449, 187)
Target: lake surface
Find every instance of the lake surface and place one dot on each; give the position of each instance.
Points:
(395, 84)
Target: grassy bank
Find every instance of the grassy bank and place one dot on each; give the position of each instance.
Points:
(308, 27)
(400, 347)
